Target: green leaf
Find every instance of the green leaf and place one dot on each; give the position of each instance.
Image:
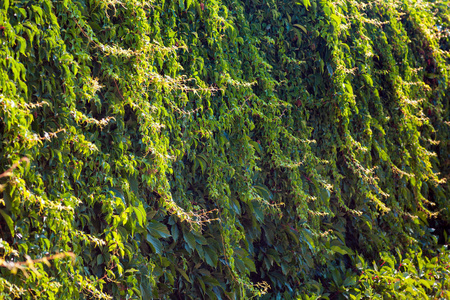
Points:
(336, 19)
(284, 268)
(258, 212)
(367, 220)
(306, 3)
(118, 194)
(146, 289)
(340, 250)
(134, 185)
(155, 244)
(140, 214)
(263, 191)
(175, 232)
(8, 221)
(330, 69)
(301, 27)
(256, 146)
(368, 79)
(349, 88)
(203, 162)
(307, 235)
(211, 281)
(426, 283)
(100, 259)
(383, 154)
(249, 263)
(183, 273)
(22, 44)
(5, 4)
(210, 256)
(349, 281)
(293, 234)
(189, 239)
(158, 230)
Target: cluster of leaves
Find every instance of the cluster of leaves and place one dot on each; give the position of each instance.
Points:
(371, 80)
(394, 277)
(218, 148)
(414, 276)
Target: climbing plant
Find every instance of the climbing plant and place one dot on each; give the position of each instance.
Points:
(222, 149)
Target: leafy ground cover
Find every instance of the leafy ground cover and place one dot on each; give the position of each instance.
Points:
(224, 149)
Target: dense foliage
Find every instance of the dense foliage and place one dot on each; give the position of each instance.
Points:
(224, 149)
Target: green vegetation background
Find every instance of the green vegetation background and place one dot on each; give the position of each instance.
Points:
(224, 149)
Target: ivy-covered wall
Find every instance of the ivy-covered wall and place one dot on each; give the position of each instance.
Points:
(221, 149)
